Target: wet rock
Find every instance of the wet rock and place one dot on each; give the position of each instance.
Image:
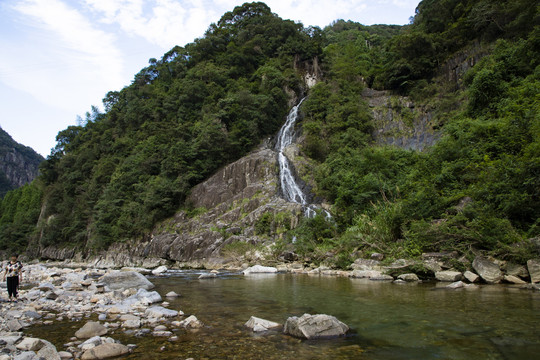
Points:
(191, 323)
(208, 276)
(470, 276)
(159, 270)
(91, 329)
(159, 312)
(513, 280)
(259, 269)
(455, 285)
(533, 266)
(257, 324)
(365, 274)
(449, 276)
(105, 351)
(488, 270)
(382, 277)
(315, 326)
(171, 294)
(409, 277)
(126, 280)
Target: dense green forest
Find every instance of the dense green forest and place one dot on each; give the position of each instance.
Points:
(209, 103)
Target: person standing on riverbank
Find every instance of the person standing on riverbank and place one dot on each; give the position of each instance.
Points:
(13, 273)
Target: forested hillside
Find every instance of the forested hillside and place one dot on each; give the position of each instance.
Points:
(209, 103)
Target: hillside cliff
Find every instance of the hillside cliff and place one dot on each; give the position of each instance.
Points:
(18, 163)
(416, 139)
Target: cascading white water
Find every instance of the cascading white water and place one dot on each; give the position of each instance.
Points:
(291, 190)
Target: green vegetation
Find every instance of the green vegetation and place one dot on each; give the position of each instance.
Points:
(206, 104)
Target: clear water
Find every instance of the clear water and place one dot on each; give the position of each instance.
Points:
(388, 321)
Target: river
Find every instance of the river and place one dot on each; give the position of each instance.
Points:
(388, 321)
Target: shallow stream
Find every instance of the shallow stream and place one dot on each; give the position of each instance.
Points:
(388, 321)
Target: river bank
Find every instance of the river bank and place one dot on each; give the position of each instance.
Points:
(117, 303)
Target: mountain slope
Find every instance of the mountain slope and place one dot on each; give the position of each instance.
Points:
(18, 163)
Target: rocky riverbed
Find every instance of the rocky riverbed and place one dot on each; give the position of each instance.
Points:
(108, 303)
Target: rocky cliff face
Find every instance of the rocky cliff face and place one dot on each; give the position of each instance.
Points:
(399, 122)
(18, 164)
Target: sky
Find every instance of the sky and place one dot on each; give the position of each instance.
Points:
(60, 57)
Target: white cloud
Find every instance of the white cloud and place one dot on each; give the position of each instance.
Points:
(63, 57)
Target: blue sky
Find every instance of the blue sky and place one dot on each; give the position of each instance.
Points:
(60, 57)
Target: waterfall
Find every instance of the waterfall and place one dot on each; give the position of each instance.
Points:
(290, 188)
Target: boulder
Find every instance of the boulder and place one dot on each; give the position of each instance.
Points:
(14, 325)
(30, 344)
(513, 280)
(126, 280)
(315, 326)
(470, 276)
(365, 274)
(533, 266)
(147, 297)
(366, 264)
(159, 270)
(259, 269)
(409, 277)
(91, 329)
(488, 270)
(105, 351)
(449, 276)
(257, 324)
(160, 311)
(517, 270)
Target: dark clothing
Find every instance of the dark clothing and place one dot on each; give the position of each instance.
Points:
(12, 285)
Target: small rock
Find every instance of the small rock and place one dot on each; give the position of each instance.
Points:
(257, 324)
(513, 279)
(470, 276)
(455, 285)
(191, 323)
(105, 351)
(64, 355)
(102, 317)
(91, 329)
(159, 311)
(159, 270)
(409, 277)
(30, 344)
(207, 276)
(377, 256)
(382, 277)
(449, 276)
(14, 325)
(171, 294)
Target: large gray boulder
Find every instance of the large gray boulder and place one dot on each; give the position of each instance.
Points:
(488, 270)
(105, 351)
(533, 266)
(315, 326)
(91, 329)
(126, 280)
